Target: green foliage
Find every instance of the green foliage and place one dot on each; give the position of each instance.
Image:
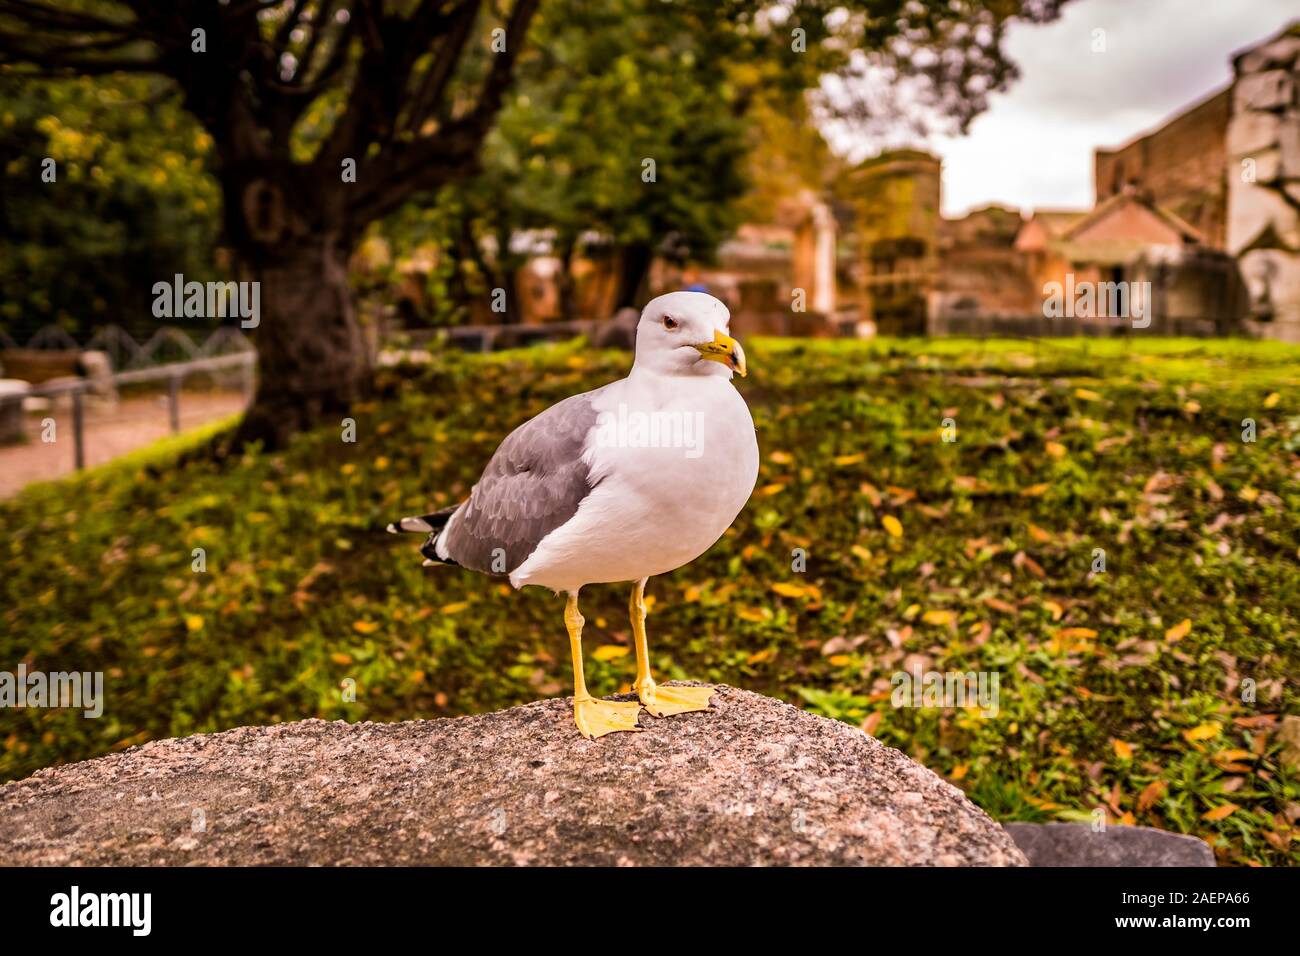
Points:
(1106, 699)
(607, 88)
(133, 203)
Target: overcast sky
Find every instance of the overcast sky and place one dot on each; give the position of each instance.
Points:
(1033, 148)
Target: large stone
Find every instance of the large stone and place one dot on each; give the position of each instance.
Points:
(1281, 51)
(1252, 132)
(1078, 844)
(1288, 141)
(98, 368)
(756, 782)
(1270, 90)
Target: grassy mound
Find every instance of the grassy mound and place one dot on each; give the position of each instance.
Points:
(1152, 691)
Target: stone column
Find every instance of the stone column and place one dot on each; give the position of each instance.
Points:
(1263, 147)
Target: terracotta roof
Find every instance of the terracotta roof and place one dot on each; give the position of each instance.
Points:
(1057, 221)
(1104, 208)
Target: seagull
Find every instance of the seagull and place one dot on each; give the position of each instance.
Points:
(630, 480)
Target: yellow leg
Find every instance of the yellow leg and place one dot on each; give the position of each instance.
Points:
(660, 701)
(594, 718)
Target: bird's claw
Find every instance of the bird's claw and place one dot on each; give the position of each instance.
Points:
(596, 718)
(664, 701)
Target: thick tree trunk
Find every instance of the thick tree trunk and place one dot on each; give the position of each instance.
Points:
(633, 267)
(313, 360)
(565, 287)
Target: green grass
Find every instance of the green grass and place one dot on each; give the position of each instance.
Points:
(1062, 448)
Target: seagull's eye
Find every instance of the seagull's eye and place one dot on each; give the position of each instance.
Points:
(670, 323)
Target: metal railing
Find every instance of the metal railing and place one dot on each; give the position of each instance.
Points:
(173, 374)
(124, 352)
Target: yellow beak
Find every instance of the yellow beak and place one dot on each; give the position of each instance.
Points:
(726, 350)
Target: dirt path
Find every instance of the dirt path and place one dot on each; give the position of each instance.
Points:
(110, 430)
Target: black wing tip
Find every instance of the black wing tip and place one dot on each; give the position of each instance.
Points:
(421, 524)
(430, 552)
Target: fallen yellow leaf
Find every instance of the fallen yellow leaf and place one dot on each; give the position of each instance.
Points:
(1076, 633)
(193, 622)
(1087, 394)
(860, 552)
(365, 627)
(1055, 449)
(1122, 750)
(455, 607)
(1179, 630)
(790, 590)
(1202, 732)
(892, 525)
(941, 618)
(610, 652)
(1272, 399)
(1221, 812)
(1227, 756)
(1034, 491)
(1150, 794)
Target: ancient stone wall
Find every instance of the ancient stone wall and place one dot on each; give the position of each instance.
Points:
(1263, 175)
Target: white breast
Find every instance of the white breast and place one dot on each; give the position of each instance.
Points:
(672, 468)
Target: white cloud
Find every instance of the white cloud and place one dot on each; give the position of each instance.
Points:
(1033, 147)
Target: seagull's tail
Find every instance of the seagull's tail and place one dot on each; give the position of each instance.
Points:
(432, 524)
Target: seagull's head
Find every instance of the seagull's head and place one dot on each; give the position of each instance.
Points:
(686, 333)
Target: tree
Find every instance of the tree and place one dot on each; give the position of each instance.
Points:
(327, 115)
(133, 202)
(623, 141)
(324, 115)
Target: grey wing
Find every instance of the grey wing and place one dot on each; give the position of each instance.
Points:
(533, 484)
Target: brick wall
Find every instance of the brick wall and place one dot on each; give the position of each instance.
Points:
(1181, 165)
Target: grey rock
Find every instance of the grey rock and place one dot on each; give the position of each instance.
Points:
(98, 367)
(1077, 844)
(754, 782)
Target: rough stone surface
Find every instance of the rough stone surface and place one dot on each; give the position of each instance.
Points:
(1077, 844)
(755, 782)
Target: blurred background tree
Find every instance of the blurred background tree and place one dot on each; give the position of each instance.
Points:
(565, 171)
(134, 203)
